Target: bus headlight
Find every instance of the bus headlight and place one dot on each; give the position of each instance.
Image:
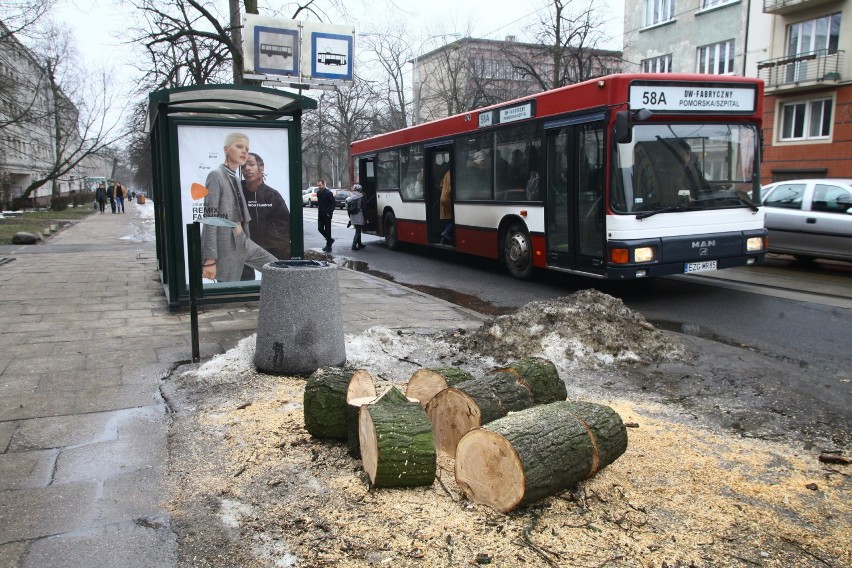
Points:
(643, 254)
(754, 244)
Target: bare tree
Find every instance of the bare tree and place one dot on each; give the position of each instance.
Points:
(391, 51)
(19, 17)
(569, 36)
(72, 111)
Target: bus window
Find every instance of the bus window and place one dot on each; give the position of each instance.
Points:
(388, 170)
(517, 170)
(411, 172)
(474, 167)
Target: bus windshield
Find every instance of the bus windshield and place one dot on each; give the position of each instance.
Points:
(685, 167)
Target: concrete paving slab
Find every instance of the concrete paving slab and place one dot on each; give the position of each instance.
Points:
(12, 554)
(45, 511)
(142, 543)
(33, 469)
(7, 430)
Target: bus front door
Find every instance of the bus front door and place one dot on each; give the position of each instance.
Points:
(439, 195)
(574, 197)
(367, 179)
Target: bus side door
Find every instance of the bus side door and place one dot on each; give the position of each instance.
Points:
(574, 181)
(367, 178)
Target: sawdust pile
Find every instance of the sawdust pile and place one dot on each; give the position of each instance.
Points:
(252, 488)
(585, 330)
(267, 494)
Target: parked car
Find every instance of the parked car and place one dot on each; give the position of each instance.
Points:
(340, 196)
(810, 218)
(309, 197)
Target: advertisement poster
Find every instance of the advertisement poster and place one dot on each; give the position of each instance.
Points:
(237, 179)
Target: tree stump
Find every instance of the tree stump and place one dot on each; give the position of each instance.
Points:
(537, 453)
(327, 392)
(456, 410)
(353, 409)
(540, 376)
(397, 447)
(426, 383)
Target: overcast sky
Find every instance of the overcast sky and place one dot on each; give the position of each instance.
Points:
(98, 25)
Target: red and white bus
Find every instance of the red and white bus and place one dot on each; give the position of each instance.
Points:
(625, 176)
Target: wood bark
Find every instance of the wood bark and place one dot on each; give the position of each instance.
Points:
(540, 376)
(426, 383)
(456, 410)
(397, 447)
(537, 453)
(327, 392)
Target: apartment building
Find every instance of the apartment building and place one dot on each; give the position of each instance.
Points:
(807, 124)
(27, 124)
(472, 73)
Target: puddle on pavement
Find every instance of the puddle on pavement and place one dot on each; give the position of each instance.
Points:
(464, 300)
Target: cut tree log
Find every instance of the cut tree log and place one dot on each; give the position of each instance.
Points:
(397, 447)
(540, 376)
(327, 392)
(426, 383)
(353, 409)
(456, 410)
(537, 453)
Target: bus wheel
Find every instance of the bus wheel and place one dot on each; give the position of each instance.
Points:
(517, 252)
(391, 236)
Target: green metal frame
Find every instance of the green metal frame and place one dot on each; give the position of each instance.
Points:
(235, 106)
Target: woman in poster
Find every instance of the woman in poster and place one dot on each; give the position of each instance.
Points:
(226, 249)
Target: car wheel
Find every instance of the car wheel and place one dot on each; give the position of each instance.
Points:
(517, 252)
(391, 235)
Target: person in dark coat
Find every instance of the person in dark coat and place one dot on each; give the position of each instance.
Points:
(326, 205)
(270, 217)
(100, 196)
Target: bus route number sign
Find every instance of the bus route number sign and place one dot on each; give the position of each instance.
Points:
(693, 98)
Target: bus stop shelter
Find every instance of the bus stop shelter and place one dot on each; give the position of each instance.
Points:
(188, 130)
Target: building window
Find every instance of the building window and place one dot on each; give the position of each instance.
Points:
(813, 35)
(716, 59)
(658, 11)
(707, 4)
(806, 120)
(662, 64)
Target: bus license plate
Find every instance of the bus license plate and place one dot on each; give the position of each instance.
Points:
(699, 266)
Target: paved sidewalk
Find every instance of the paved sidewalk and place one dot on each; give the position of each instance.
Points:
(86, 340)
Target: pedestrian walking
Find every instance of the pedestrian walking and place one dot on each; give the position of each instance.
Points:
(355, 208)
(120, 192)
(100, 197)
(326, 205)
(111, 196)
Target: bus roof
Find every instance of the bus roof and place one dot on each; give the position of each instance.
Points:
(597, 93)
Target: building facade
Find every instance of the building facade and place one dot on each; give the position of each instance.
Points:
(472, 73)
(807, 124)
(29, 111)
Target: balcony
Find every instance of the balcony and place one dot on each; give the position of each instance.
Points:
(802, 70)
(781, 7)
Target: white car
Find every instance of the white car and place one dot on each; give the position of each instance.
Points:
(309, 197)
(810, 218)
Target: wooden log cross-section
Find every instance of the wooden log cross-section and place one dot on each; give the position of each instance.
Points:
(327, 393)
(537, 453)
(469, 404)
(426, 383)
(397, 448)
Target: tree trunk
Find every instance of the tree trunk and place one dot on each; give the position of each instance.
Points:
(426, 383)
(327, 392)
(540, 376)
(537, 453)
(397, 447)
(353, 409)
(456, 410)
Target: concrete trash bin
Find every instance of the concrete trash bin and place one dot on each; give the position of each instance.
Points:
(300, 318)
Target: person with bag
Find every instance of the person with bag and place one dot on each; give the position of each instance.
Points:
(355, 209)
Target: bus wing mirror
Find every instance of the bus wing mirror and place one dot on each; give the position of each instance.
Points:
(623, 132)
